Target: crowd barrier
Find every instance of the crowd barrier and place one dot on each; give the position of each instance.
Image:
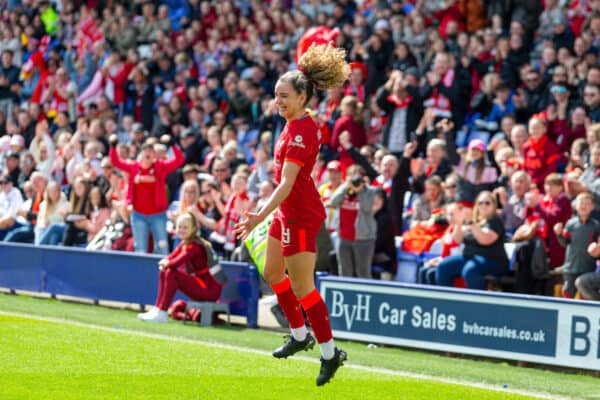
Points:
(490, 324)
(109, 275)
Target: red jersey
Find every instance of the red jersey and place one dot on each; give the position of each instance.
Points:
(143, 192)
(299, 143)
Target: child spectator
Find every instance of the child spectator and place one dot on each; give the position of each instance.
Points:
(186, 269)
(579, 232)
(588, 284)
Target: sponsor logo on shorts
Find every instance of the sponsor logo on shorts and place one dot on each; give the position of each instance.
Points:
(286, 237)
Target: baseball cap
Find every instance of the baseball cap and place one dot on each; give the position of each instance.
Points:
(137, 127)
(13, 154)
(278, 47)
(4, 179)
(188, 132)
(477, 144)
(17, 140)
(412, 71)
(334, 165)
(382, 24)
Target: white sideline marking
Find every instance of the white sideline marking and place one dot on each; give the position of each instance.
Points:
(266, 353)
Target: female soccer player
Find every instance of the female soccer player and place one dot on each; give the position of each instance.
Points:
(186, 269)
(300, 212)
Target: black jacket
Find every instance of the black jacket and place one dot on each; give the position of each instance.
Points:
(413, 113)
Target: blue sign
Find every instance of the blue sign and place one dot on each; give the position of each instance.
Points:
(514, 327)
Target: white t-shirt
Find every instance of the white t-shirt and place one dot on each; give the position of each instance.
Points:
(10, 203)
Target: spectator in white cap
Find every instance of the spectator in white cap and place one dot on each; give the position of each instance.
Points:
(17, 143)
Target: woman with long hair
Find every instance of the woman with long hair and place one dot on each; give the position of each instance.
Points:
(146, 193)
(53, 210)
(78, 211)
(185, 269)
(291, 243)
(483, 252)
(474, 173)
(99, 213)
(352, 121)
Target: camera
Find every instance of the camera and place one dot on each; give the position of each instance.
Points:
(356, 181)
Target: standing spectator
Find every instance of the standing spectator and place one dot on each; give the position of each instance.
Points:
(588, 181)
(351, 120)
(9, 83)
(357, 230)
(384, 254)
(483, 252)
(334, 174)
(403, 107)
(147, 179)
(576, 236)
(588, 284)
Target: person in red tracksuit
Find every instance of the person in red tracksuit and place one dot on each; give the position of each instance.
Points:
(185, 269)
(292, 236)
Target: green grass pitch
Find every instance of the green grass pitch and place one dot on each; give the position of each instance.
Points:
(85, 352)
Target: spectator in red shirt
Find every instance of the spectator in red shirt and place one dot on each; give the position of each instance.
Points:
(146, 192)
(351, 121)
(540, 155)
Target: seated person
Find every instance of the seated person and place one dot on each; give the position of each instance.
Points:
(474, 172)
(483, 252)
(513, 205)
(185, 269)
(454, 213)
(432, 199)
(99, 214)
(11, 201)
(53, 210)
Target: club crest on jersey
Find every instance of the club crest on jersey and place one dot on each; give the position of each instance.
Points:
(297, 141)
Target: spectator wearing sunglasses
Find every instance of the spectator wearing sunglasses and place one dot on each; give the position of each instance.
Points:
(483, 252)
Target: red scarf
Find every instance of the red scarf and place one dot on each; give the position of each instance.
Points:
(400, 103)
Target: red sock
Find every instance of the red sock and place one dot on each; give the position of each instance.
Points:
(318, 316)
(289, 303)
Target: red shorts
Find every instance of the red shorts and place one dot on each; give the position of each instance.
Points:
(294, 238)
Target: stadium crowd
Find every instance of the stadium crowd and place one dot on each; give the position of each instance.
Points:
(465, 125)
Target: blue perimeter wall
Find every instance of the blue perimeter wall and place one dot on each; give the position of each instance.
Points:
(109, 275)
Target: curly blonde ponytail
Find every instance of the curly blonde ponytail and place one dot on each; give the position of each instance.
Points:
(321, 67)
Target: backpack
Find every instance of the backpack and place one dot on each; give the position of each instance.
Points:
(211, 257)
(213, 263)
